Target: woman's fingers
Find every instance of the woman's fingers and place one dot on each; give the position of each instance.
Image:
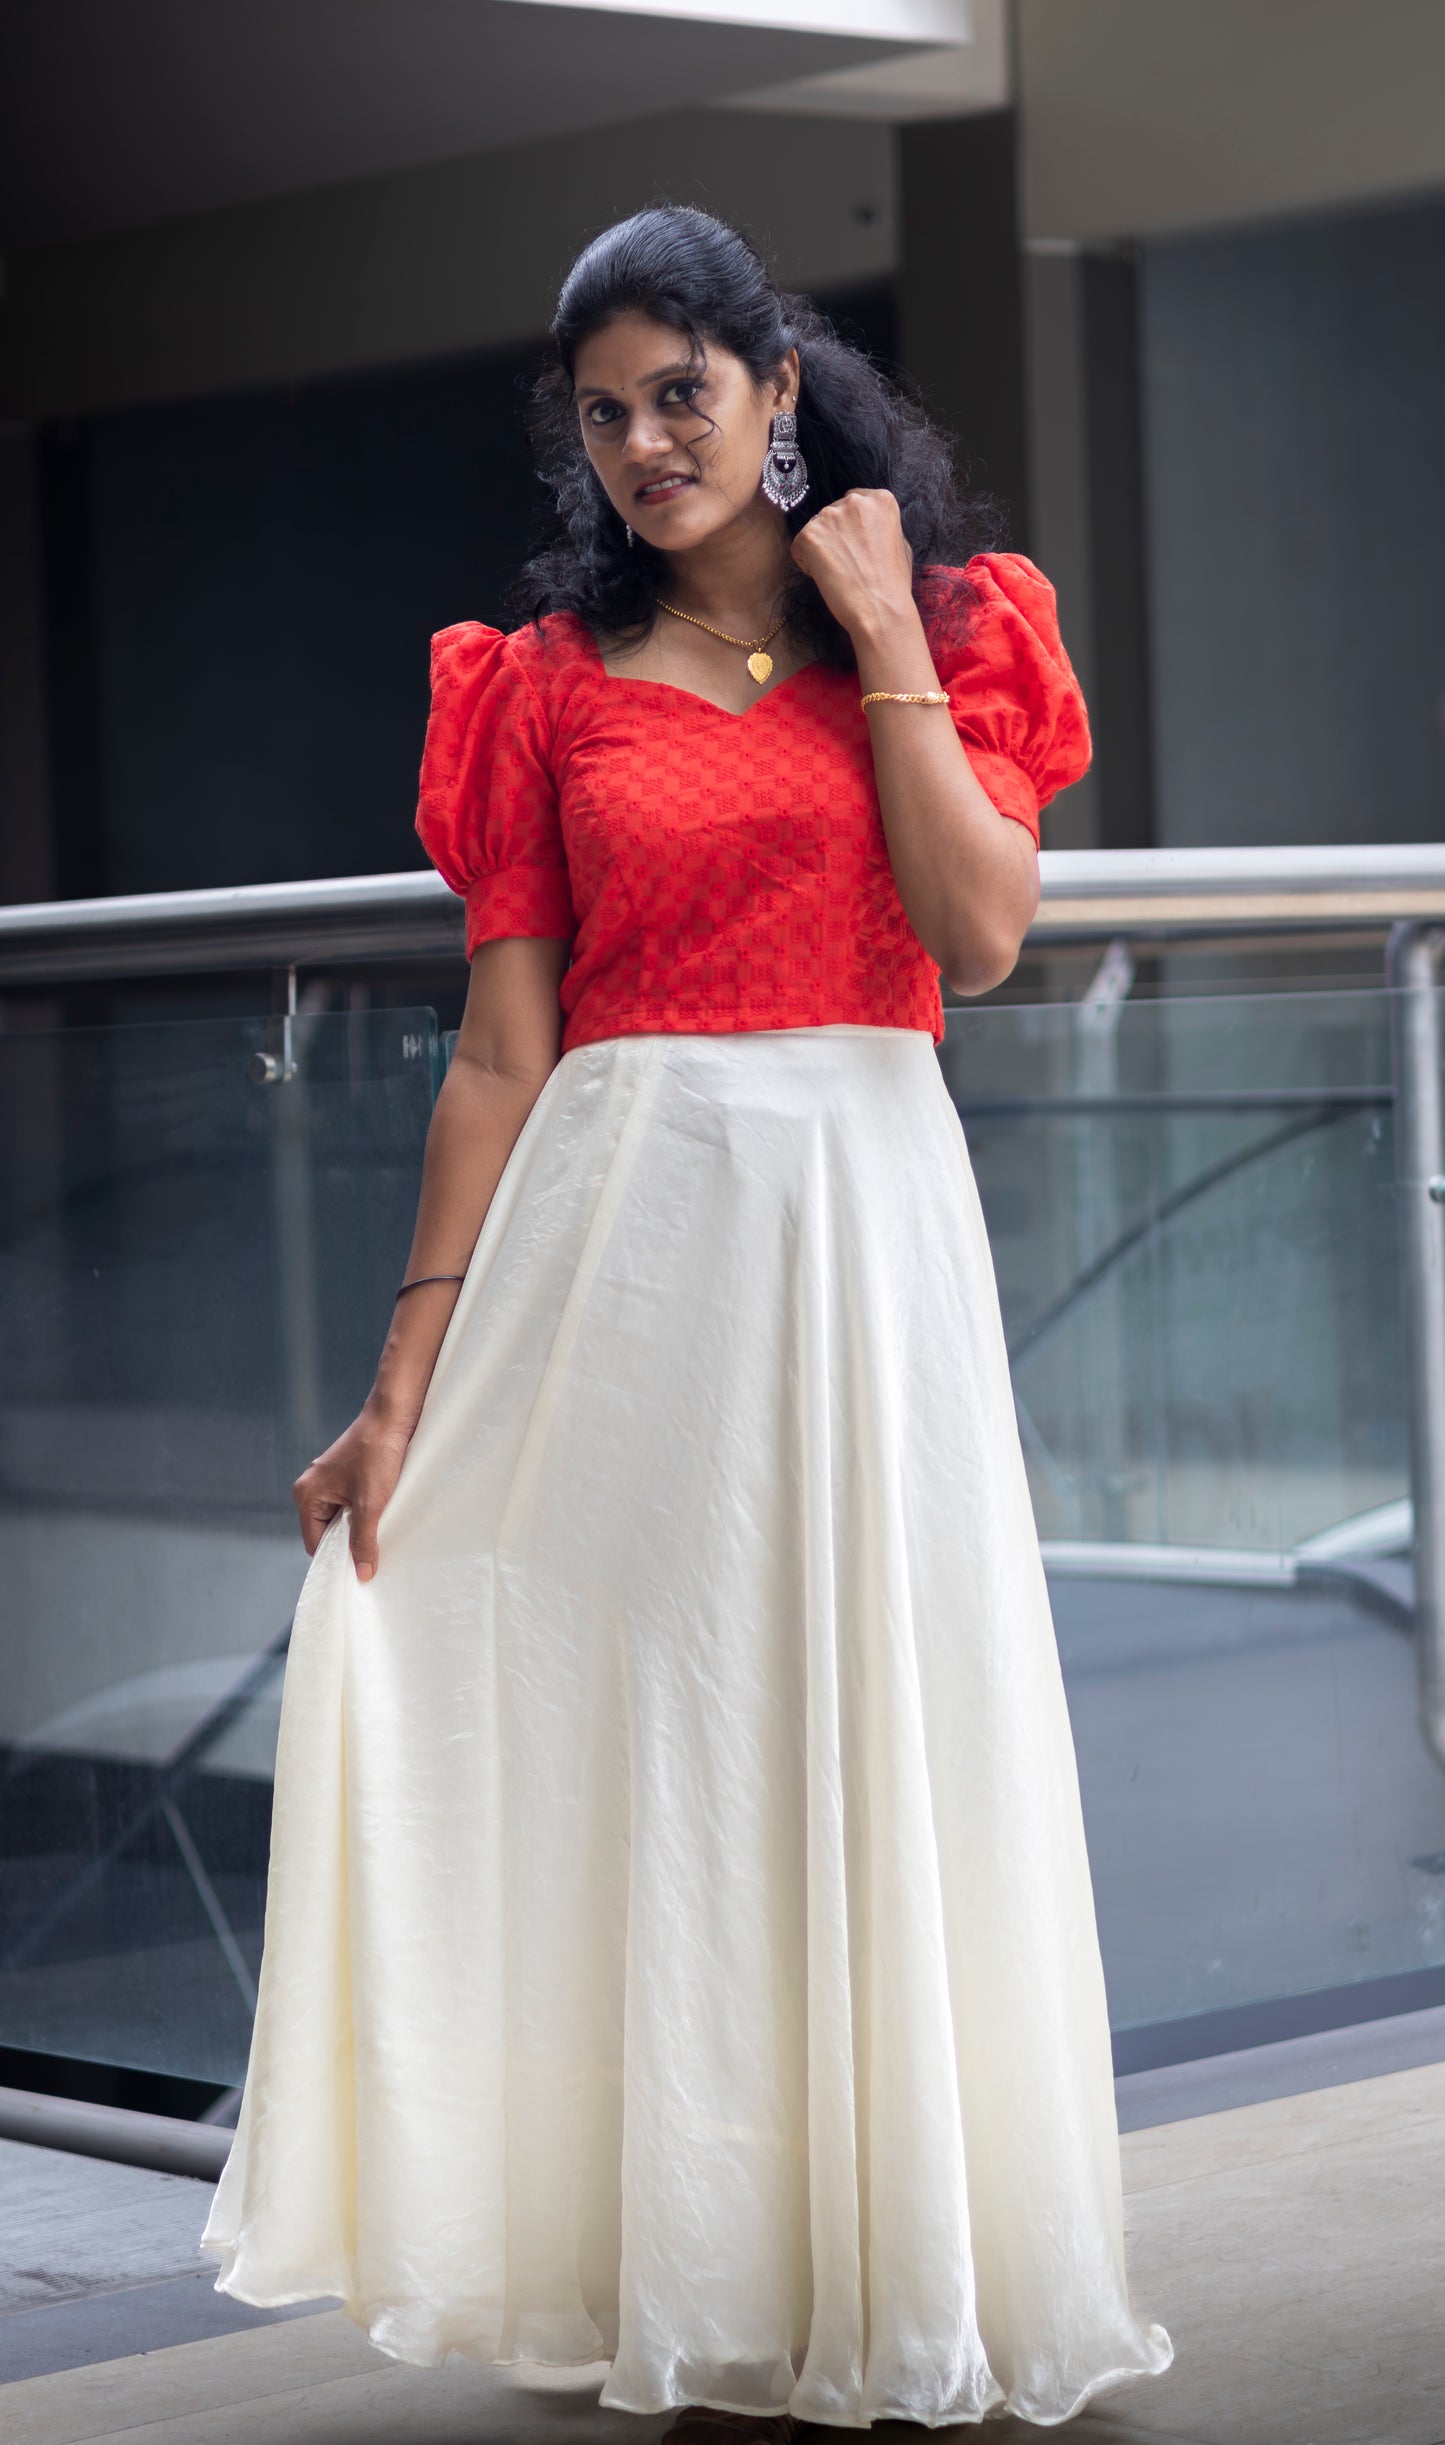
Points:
(855, 552)
(358, 1476)
(364, 1517)
(315, 1508)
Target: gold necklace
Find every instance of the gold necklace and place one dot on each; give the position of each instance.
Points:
(760, 661)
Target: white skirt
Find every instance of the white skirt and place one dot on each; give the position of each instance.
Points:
(680, 1946)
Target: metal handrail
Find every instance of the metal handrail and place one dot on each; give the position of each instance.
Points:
(253, 925)
(1086, 895)
(1415, 957)
(159, 2142)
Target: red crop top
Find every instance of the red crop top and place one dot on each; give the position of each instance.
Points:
(719, 871)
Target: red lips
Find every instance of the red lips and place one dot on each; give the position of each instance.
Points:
(673, 477)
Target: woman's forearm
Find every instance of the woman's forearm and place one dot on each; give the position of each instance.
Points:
(478, 1119)
(967, 876)
(507, 1049)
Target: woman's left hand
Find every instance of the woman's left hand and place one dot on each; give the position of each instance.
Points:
(857, 556)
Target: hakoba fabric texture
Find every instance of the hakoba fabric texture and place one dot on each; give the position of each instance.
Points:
(718, 871)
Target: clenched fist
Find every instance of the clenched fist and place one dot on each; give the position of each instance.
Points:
(856, 554)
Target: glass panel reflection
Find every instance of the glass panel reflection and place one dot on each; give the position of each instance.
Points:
(1192, 1205)
(203, 1226)
(1193, 1214)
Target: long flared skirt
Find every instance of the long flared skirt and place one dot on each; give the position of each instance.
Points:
(680, 1946)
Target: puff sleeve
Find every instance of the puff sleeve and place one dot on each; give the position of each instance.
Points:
(487, 813)
(1016, 704)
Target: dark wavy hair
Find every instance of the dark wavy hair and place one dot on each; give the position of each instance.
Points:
(856, 426)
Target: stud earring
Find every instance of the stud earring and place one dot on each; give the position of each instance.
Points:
(785, 470)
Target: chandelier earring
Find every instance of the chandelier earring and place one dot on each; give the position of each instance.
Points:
(785, 470)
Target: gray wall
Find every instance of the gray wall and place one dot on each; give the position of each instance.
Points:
(276, 446)
(257, 578)
(421, 264)
(1155, 115)
(240, 595)
(1294, 406)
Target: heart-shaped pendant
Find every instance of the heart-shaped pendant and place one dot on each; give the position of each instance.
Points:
(761, 666)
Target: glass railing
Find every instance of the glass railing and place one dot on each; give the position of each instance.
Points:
(202, 1229)
(1193, 1209)
(1195, 1217)
(1193, 1213)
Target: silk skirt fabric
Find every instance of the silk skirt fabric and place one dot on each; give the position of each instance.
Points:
(680, 1946)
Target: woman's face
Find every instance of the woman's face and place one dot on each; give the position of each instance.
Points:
(678, 441)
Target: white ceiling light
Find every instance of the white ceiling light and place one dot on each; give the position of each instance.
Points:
(969, 73)
(921, 21)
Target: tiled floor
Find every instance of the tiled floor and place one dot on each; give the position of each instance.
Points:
(98, 2262)
(1295, 2248)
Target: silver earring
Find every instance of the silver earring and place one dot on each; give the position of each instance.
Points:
(628, 533)
(785, 470)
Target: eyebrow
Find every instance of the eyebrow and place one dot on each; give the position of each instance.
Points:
(661, 375)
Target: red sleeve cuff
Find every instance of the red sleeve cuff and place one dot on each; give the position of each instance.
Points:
(528, 900)
(1009, 787)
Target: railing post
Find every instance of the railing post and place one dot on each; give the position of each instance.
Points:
(1413, 968)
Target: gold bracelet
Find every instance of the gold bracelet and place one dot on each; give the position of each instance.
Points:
(891, 696)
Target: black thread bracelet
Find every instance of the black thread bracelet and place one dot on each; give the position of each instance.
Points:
(423, 1278)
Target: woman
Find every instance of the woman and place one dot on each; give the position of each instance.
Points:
(680, 1946)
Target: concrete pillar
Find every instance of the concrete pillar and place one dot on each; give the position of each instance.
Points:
(961, 296)
(1086, 486)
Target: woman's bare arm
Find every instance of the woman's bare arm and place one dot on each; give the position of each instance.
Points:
(506, 1050)
(967, 877)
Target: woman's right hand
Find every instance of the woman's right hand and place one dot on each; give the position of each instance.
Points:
(357, 1474)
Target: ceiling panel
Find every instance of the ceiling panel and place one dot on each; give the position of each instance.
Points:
(120, 113)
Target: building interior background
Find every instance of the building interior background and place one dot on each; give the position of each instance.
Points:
(271, 300)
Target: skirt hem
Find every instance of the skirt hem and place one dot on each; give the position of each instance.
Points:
(1002, 2406)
